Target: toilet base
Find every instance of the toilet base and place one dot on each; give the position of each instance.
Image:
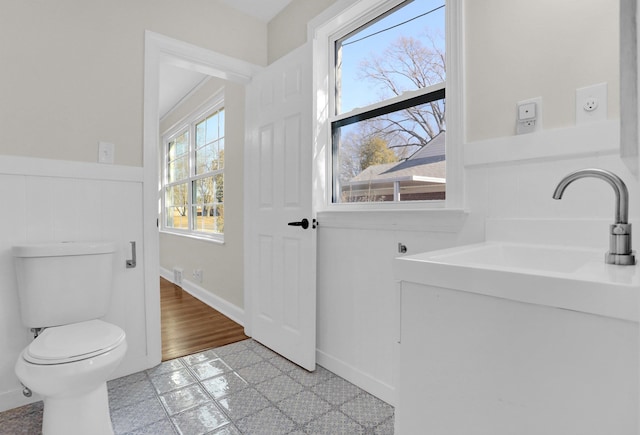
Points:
(78, 415)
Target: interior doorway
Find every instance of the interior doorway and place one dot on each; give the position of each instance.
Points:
(162, 50)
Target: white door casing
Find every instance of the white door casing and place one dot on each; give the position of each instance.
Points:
(163, 49)
(280, 260)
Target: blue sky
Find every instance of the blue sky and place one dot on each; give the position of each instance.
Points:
(357, 92)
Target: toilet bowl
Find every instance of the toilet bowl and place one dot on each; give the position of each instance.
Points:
(69, 365)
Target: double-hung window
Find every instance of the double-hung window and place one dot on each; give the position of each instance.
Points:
(387, 105)
(193, 176)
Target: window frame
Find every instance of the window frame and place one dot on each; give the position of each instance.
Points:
(188, 124)
(333, 26)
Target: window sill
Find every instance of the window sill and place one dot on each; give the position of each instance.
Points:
(219, 240)
(439, 220)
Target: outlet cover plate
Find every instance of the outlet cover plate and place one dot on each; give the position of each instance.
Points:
(106, 152)
(529, 115)
(591, 103)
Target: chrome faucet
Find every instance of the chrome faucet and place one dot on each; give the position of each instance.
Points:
(620, 251)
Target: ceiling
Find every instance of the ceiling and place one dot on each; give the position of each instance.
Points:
(176, 83)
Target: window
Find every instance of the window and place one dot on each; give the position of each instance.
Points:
(193, 176)
(387, 105)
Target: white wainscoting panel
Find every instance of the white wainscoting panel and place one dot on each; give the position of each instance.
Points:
(51, 201)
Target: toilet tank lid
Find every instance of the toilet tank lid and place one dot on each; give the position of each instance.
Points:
(63, 248)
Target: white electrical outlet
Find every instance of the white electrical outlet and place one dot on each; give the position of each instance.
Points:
(197, 275)
(177, 276)
(591, 103)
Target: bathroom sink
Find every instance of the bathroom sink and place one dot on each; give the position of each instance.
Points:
(533, 258)
(572, 278)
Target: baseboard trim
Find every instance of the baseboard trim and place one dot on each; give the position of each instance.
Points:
(14, 399)
(371, 385)
(230, 310)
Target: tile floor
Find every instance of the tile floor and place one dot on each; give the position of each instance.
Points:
(241, 388)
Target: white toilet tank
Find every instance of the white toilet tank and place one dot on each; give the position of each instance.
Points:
(64, 282)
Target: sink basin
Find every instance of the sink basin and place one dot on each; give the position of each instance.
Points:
(570, 278)
(535, 258)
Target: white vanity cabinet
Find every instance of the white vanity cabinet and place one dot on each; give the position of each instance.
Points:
(475, 361)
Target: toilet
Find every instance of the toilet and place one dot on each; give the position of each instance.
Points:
(64, 289)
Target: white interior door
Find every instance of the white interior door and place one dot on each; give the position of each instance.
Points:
(280, 259)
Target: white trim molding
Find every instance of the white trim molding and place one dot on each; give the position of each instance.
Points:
(569, 142)
(363, 380)
(194, 58)
(38, 167)
(629, 83)
(163, 49)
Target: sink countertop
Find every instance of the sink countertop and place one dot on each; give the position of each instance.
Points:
(569, 278)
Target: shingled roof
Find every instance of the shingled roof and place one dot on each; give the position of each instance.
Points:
(428, 161)
(421, 176)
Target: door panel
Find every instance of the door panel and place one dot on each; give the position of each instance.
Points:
(280, 259)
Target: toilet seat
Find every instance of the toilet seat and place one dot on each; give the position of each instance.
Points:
(74, 342)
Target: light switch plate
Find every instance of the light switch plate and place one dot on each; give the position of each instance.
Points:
(106, 152)
(526, 111)
(529, 115)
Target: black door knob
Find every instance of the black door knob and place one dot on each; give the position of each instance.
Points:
(304, 223)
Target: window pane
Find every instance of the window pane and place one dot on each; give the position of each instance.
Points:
(176, 195)
(219, 218)
(208, 195)
(179, 146)
(218, 188)
(177, 217)
(399, 156)
(176, 206)
(178, 169)
(210, 143)
(221, 122)
(206, 159)
(209, 219)
(221, 154)
(401, 51)
(203, 191)
(213, 132)
(200, 133)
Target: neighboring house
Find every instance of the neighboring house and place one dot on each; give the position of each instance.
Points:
(420, 177)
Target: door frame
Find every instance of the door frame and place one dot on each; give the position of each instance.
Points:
(163, 49)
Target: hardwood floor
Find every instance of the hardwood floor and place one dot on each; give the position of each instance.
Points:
(190, 326)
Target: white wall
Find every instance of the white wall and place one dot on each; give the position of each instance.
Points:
(518, 50)
(357, 296)
(222, 264)
(506, 176)
(288, 29)
(73, 70)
